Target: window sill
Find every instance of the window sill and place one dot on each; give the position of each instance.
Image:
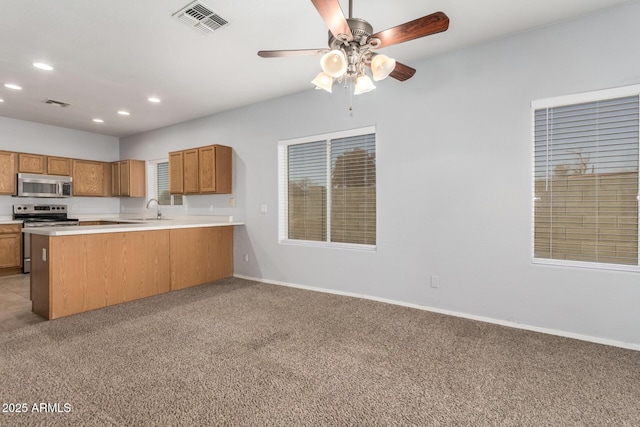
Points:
(329, 245)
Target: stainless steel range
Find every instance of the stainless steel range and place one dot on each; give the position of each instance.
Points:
(39, 216)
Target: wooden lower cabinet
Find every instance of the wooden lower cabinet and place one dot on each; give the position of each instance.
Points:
(200, 255)
(89, 271)
(10, 248)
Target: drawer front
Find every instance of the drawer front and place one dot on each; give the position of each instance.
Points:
(10, 228)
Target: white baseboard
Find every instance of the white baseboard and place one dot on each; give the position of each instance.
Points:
(565, 334)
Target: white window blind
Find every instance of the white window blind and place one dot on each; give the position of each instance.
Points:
(328, 189)
(586, 182)
(158, 183)
(164, 198)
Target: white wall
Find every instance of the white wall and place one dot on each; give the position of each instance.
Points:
(30, 137)
(454, 180)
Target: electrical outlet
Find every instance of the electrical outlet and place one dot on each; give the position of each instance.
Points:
(245, 258)
(435, 281)
(232, 201)
(263, 209)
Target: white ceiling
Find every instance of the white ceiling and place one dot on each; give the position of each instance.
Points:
(113, 54)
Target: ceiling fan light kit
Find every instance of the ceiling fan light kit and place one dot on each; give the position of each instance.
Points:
(334, 63)
(352, 44)
(382, 66)
(323, 81)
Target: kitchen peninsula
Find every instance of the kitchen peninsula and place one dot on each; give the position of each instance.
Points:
(80, 268)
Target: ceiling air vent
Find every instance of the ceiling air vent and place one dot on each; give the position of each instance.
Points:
(56, 103)
(201, 17)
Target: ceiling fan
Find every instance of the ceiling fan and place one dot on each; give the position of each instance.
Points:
(352, 45)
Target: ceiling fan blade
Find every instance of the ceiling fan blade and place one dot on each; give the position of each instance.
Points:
(295, 52)
(332, 15)
(402, 72)
(425, 26)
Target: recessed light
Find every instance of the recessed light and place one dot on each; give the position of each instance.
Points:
(98, 120)
(43, 66)
(12, 86)
(1, 100)
(153, 99)
(124, 113)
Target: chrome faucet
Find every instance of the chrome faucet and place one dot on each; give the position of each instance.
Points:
(158, 214)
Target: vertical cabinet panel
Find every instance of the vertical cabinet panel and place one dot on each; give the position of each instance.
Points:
(115, 179)
(8, 170)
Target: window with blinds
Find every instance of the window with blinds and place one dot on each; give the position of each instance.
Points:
(158, 183)
(328, 189)
(586, 181)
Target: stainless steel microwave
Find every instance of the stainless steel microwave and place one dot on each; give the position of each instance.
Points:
(33, 185)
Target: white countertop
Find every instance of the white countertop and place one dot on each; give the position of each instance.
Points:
(131, 224)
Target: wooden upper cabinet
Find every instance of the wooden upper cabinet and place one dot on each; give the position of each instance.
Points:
(202, 170)
(191, 178)
(207, 165)
(128, 178)
(8, 170)
(58, 166)
(32, 163)
(215, 169)
(176, 174)
(89, 178)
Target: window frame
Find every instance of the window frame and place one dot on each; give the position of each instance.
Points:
(283, 190)
(567, 100)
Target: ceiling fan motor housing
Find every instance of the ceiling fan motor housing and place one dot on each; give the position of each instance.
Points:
(357, 49)
(360, 29)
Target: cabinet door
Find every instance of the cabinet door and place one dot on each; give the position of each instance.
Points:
(88, 178)
(58, 166)
(207, 165)
(124, 178)
(224, 172)
(115, 178)
(8, 168)
(10, 246)
(31, 163)
(191, 171)
(137, 178)
(215, 169)
(176, 172)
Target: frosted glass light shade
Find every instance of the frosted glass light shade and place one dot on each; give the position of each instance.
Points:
(382, 66)
(334, 63)
(363, 85)
(323, 81)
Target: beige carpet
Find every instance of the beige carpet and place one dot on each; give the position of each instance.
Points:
(241, 353)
